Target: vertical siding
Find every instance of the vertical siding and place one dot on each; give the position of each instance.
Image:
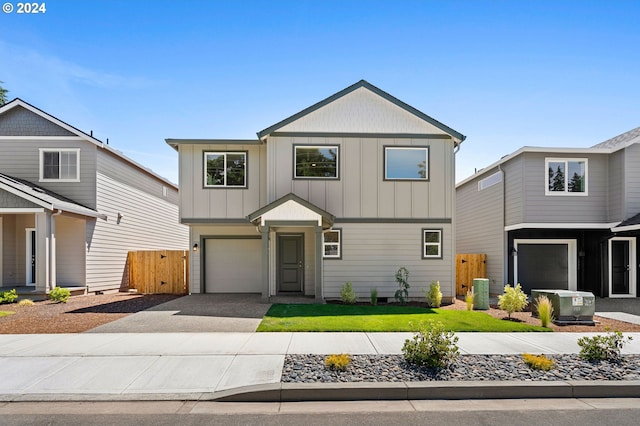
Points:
(632, 168)
(148, 223)
(480, 226)
(361, 191)
(617, 184)
(569, 209)
(70, 251)
(199, 202)
(21, 159)
(373, 252)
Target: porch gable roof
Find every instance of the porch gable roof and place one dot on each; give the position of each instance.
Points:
(44, 198)
(291, 208)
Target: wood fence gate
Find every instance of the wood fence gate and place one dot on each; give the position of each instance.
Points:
(468, 267)
(162, 271)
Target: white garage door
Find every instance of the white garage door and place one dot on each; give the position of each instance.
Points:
(233, 266)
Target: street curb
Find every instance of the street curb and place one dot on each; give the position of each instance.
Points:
(387, 391)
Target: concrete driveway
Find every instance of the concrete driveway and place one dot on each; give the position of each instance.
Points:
(194, 313)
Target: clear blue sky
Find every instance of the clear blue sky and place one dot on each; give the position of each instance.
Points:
(504, 73)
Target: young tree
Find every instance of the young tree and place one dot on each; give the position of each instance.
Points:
(3, 94)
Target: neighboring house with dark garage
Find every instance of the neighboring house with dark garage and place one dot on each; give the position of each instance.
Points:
(349, 189)
(557, 218)
(71, 207)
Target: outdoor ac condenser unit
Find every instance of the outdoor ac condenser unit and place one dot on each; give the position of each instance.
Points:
(569, 307)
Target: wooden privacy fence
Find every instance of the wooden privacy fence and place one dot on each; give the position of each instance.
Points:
(162, 271)
(468, 267)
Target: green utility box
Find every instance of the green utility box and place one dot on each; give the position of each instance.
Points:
(481, 294)
(569, 307)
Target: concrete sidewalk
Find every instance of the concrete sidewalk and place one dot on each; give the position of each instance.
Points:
(248, 366)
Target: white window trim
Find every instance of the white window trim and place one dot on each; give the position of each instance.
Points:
(425, 244)
(339, 244)
(59, 150)
(224, 153)
(572, 258)
(566, 180)
(295, 156)
(426, 152)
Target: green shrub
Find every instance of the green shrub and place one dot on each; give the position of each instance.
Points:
(347, 294)
(431, 346)
(402, 278)
(469, 298)
(60, 295)
(538, 362)
(513, 299)
(374, 296)
(545, 310)
(26, 302)
(8, 296)
(434, 295)
(603, 347)
(337, 362)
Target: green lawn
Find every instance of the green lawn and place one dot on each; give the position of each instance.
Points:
(5, 313)
(332, 317)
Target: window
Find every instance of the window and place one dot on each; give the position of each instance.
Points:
(225, 169)
(316, 162)
(489, 181)
(61, 165)
(566, 176)
(332, 244)
(432, 243)
(406, 163)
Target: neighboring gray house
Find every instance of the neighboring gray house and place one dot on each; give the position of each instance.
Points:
(349, 189)
(71, 207)
(564, 218)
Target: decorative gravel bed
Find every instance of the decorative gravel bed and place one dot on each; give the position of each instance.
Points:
(393, 368)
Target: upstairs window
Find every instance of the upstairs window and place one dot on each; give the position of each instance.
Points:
(406, 163)
(332, 244)
(432, 243)
(61, 165)
(315, 162)
(225, 169)
(566, 176)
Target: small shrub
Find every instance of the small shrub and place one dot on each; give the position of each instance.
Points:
(347, 294)
(337, 362)
(469, 298)
(545, 310)
(434, 295)
(26, 302)
(538, 362)
(431, 346)
(603, 347)
(60, 295)
(402, 278)
(513, 299)
(8, 296)
(374, 296)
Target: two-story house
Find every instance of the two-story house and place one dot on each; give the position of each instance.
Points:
(557, 218)
(349, 189)
(71, 207)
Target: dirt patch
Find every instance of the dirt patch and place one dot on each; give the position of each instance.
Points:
(80, 313)
(525, 317)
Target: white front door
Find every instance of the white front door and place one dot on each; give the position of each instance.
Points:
(30, 256)
(622, 267)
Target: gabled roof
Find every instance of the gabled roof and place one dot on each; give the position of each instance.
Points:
(631, 224)
(362, 83)
(621, 141)
(44, 198)
(327, 218)
(19, 102)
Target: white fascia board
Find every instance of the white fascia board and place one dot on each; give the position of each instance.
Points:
(625, 228)
(25, 196)
(535, 149)
(559, 226)
(19, 210)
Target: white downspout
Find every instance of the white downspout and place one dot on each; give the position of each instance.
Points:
(52, 250)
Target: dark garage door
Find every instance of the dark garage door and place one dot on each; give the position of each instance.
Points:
(543, 266)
